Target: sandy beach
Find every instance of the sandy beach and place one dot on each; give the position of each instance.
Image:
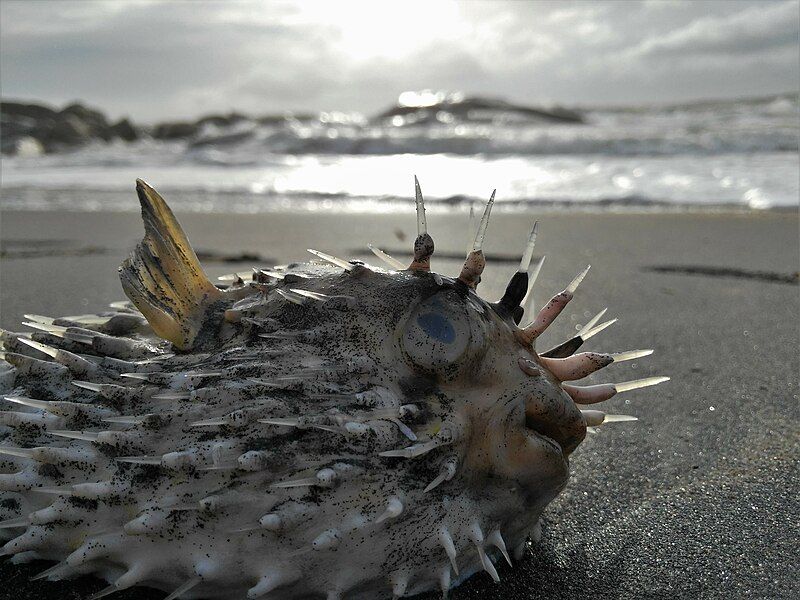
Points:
(698, 499)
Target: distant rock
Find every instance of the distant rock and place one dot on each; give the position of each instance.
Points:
(90, 121)
(19, 121)
(28, 127)
(174, 130)
(69, 130)
(125, 130)
(30, 111)
(416, 108)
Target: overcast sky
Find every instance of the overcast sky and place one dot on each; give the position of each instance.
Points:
(154, 60)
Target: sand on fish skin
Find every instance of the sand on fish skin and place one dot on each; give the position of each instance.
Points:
(697, 499)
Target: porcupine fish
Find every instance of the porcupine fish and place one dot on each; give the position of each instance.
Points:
(329, 429)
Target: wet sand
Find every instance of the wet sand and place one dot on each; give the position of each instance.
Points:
(696, 499)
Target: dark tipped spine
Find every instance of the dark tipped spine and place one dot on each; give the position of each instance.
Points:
(565, 349)
(513, 296)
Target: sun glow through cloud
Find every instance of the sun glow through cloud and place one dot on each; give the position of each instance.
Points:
(367, 30)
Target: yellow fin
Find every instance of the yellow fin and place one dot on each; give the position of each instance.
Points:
(163, 277)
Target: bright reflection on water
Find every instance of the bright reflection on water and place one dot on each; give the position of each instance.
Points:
(376, 182)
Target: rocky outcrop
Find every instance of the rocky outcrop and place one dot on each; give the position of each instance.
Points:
(174, 130)
(31, 128)
(125, 130)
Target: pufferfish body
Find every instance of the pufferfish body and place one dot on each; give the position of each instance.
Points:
(325, 430)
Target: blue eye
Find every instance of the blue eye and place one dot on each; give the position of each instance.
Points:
(437, 333)
(437, 326)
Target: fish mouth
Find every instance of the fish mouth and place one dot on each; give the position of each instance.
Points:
(558, 423)
(556, 445)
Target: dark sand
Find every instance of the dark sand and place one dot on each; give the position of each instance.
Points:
(699, 499)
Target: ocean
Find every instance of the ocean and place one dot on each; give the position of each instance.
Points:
(731, 154)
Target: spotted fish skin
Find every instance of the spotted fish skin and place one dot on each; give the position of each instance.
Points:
(328, 429)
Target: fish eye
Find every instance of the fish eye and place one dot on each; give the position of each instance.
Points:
(438, 332)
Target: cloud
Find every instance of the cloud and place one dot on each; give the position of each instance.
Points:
(154, 60)
(753, 30)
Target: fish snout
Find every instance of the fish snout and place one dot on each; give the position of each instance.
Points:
(550, 412)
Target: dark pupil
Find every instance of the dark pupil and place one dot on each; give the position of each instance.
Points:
(437, 327)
